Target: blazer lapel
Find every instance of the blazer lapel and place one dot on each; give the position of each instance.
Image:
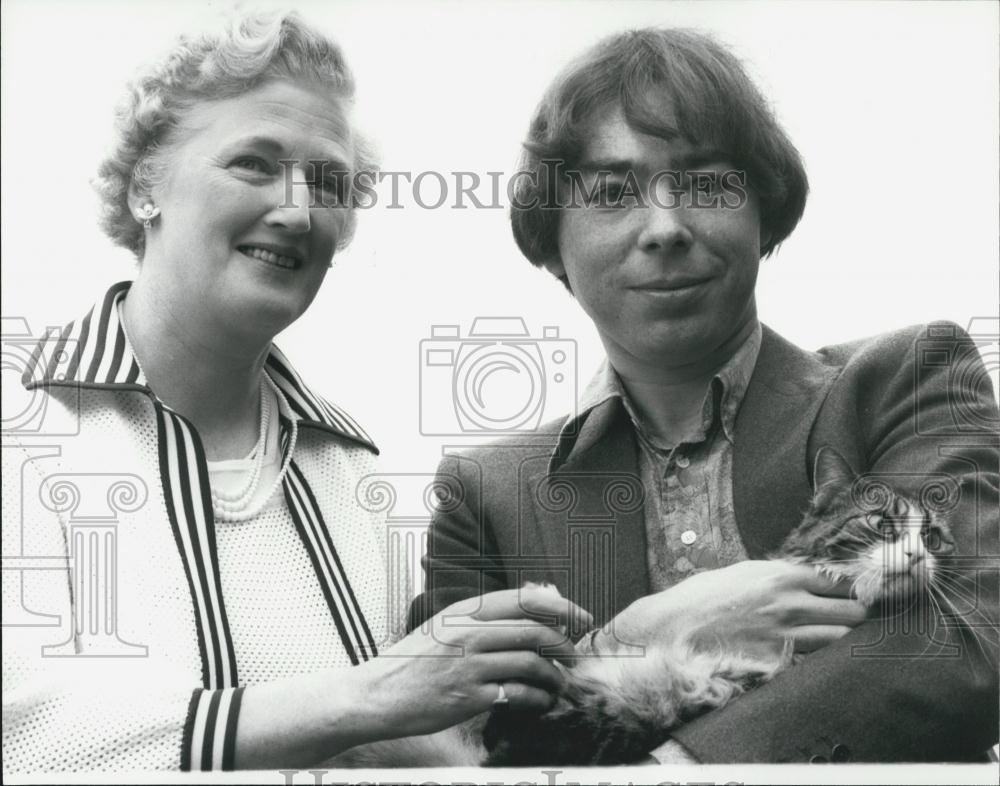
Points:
(771, 473)
(589, 514)
(588, 509)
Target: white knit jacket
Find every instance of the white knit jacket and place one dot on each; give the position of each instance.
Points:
(132, 620)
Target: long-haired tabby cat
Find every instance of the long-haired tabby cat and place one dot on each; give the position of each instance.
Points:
(616, 710)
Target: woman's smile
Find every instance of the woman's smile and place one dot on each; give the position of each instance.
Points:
(286, 259)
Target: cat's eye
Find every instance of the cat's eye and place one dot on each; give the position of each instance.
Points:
(934, 541)
(886, 529)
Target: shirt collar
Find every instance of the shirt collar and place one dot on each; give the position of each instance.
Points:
(729, 384)
(93, 352)
(734, 378)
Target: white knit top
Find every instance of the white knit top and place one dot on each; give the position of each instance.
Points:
(133, 619)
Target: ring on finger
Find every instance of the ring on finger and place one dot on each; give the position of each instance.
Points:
(501, 700)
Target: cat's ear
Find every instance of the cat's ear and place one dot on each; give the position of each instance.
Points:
(832, 476)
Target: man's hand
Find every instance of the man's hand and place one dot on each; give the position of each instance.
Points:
(756, 605)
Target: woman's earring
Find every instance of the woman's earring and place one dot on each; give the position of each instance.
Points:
(147, 213)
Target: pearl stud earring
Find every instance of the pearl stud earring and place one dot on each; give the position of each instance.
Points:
(146, 215)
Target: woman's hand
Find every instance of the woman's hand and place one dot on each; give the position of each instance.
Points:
(754, 605)
(450, 669)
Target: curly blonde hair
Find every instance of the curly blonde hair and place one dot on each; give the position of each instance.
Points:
(251, 50)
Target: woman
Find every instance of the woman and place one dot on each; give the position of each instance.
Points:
(250, 578)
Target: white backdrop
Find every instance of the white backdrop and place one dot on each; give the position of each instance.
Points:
(893, 106)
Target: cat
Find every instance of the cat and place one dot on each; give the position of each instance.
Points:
(616, 710)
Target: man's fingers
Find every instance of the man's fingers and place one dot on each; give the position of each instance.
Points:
(819, 583)
(544, 604)
(521, 634)
(817, 610)
(502, 604)
(808, 638)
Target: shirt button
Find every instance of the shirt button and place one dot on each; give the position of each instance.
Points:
(840, 753)
(688, 537)
(683, 462)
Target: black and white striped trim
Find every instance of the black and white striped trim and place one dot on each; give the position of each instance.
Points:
(189, 506)
(209, 738)
(310, 408)
(91, 351)
(347, 614)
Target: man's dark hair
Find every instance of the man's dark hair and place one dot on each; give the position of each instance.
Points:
(668, 83)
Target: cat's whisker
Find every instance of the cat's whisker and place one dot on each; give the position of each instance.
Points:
(867, 587)
(940, 598)
(965, 631)
(975, 629)
(956, 576)
(937, 619)
(943, 587)
(964, 591)
(938, 623)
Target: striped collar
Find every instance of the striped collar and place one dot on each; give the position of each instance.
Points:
(93, 352)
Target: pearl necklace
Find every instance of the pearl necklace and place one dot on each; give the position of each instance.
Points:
(238, 501)
(225, 506)
(225, 514)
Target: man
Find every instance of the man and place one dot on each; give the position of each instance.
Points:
(659, 179)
